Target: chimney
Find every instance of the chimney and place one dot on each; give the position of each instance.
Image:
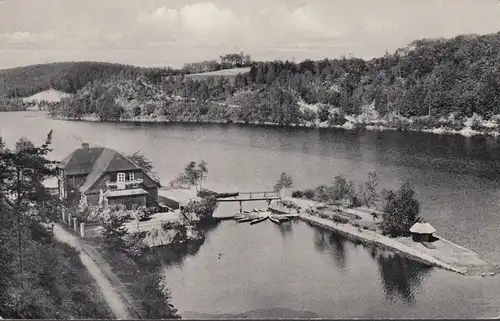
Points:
(85, 145)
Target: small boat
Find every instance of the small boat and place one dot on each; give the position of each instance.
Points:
(246, 212)
(283, 219)
(274, 220)
(246, 219)
(258, 220)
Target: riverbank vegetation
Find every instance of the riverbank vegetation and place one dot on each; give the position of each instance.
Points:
(440, 85)
(40, 277)
(12, 105)
(141, 273)
(398, 210)
(194, 175)
(386, 224)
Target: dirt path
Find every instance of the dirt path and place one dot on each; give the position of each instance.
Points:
(108, 282)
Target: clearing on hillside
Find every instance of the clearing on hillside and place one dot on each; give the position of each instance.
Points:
(220, 73)
(51, 96)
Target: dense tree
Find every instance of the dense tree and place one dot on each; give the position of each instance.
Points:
(427, 78)
(141, 160)
(194, 175)
(401, 211)
(39, 277)
(113, 228)
(285, 181)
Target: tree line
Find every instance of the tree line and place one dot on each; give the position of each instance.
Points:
(428, 79)
(40, 277)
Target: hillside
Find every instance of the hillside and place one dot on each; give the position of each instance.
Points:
(451, 83)
(50, 96)
(63, 76)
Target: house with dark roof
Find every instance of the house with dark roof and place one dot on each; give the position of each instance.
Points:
(102, 176)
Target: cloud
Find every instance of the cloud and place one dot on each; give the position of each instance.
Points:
(208, 23)
(18, 37)
(27, 39)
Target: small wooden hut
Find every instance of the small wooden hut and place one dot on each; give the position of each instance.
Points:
(422, 232)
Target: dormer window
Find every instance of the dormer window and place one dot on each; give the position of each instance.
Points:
(120, 178)
(131, 176)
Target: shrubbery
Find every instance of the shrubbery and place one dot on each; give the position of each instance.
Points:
(401, 211)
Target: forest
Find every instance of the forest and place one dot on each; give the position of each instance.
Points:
(428, 80)
(40, 277)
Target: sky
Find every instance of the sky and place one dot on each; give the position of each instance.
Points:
(174, 32)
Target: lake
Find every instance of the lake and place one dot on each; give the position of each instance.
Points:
(264, 270)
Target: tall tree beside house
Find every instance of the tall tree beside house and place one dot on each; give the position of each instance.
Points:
(145, 163)
(194, 175)
(39, 277)
(141, 160)
(401, 211)
(24, 170)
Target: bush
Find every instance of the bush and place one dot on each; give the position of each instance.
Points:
(309, 194)
(339, 219)
(143, 214)
(297, 194)
(137, 111)
(401, 212)
(337, 120)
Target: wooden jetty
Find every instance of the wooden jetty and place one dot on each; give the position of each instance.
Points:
(241, 197)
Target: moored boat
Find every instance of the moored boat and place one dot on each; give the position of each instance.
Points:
(246, 219)
(259, 219)
(274, 220)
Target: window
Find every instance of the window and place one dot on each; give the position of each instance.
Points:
(120, 178)
(131, 176)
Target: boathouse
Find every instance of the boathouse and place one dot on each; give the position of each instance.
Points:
(422, 232)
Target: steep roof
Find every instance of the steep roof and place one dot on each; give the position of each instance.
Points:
(81, 161)
(109, 161)
(422, 228)
(94, 162)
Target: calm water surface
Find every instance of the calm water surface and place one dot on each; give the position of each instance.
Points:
(300, 269)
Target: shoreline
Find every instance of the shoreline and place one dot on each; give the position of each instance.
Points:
(448, 256)
(371, 238)
(347, 126)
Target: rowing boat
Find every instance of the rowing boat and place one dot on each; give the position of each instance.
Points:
(246, 219)
(258, 220)
(274, 220)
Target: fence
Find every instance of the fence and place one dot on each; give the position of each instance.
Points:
(145, 226)
(91, 230)
(86, 230)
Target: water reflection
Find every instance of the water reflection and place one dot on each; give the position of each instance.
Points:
(339, 246)
(325, 241)
(400, 276)
(176, 255)
(286, 229)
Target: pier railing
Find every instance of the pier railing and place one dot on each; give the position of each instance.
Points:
(251, 196)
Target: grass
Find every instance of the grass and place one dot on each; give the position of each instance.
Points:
(139, 279)
(225, 72)
(88, 301)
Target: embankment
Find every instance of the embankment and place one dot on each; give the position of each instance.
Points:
(349, 126)
(474, 265)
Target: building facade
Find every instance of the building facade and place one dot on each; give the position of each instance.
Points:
(100, 176)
